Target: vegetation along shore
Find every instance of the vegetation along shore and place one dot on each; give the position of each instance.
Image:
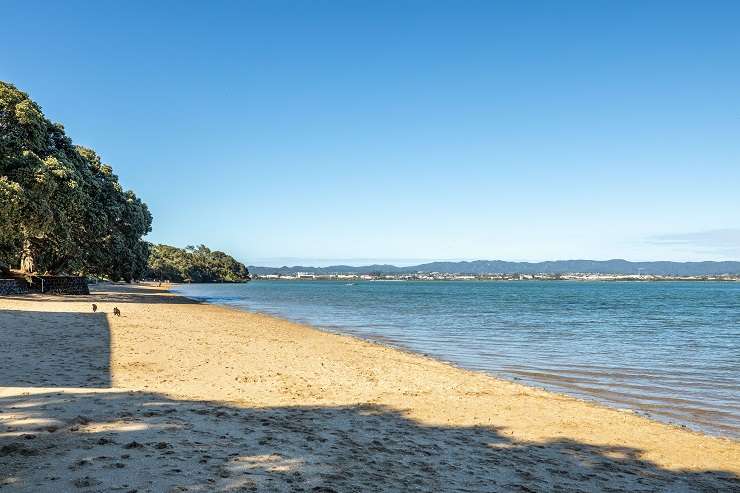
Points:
(63, 210)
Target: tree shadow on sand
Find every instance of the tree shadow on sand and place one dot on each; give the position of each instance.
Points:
(111, 294)
(38, 351)
(135, 441)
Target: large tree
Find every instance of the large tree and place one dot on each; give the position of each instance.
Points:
(61, 208)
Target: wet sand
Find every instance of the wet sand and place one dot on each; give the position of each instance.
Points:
(179, 396)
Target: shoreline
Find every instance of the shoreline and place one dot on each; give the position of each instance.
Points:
(392, 345)
(170, 350)
(573, 279)
(611, 398)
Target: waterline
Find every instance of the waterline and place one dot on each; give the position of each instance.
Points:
(671, 350)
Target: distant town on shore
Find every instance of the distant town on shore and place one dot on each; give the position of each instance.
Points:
(503, 270)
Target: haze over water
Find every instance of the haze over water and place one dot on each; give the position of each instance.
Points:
(669, 349)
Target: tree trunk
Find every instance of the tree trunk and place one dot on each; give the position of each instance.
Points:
(28, 264)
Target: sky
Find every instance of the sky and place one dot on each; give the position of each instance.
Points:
(318, 132)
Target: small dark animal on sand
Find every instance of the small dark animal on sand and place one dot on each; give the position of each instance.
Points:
(95, 307)
(116, 311)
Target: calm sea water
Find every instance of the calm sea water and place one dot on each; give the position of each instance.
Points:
(668, 349)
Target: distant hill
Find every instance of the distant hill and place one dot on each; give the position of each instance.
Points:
(616, 266)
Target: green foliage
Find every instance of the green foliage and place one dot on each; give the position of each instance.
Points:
(61, 209)
(194, 264)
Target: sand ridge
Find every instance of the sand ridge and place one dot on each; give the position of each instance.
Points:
(180, 396)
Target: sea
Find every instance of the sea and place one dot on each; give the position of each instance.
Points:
(668, 350)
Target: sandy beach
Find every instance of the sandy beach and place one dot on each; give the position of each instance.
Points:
(180, 396)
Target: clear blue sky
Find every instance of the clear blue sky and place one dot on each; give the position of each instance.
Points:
(316, 131)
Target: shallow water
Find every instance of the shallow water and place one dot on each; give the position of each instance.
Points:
(668, 349)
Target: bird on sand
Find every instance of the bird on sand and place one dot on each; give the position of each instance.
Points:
(95, 307)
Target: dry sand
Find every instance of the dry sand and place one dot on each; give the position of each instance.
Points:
(179, 396)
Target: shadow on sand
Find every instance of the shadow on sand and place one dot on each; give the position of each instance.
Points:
(110, 295)
(93, 438)
(148, 442)
(42, 353)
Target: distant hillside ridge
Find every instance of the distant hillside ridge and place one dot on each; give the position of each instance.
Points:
(616, 266)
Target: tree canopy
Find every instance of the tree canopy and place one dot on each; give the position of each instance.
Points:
(194, 264)
(62, 210)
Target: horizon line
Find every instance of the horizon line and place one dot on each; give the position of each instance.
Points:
(388, 262)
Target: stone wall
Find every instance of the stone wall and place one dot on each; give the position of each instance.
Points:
(10, 287)
(59, 285)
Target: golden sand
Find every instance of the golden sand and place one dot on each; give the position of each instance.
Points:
(180, 396)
